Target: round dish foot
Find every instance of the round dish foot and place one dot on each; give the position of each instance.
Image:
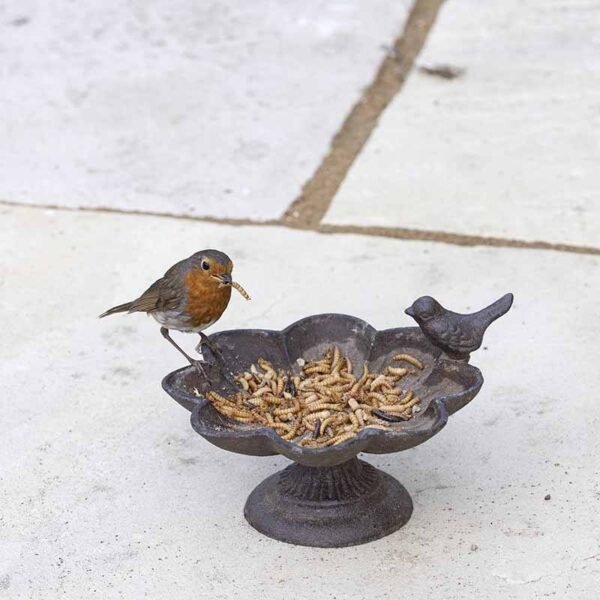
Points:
(329, 507)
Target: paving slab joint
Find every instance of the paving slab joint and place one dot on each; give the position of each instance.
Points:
(309, 208)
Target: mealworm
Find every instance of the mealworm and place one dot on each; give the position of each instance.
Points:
(272, 400)
(307, 423)
(353, 404)
(322, 414)
(215, 397)
(233, 412)
(283, 426)
(397, 371)
(412, 403)
(321, 406)
(409, 359)
(336, 361)
(394, 391)
(359, 384)
(378, 381)
(360, 416)
(326, 423)
(324, 369)
(340, 438)
(281, 383)
(290, 434)
(376, 396)
(331, 379)
(406, 398)
(311, 398)
(261, 392)
(394, 409)
(240, 289)
(389, 399)
(278, 412)
(353, 418)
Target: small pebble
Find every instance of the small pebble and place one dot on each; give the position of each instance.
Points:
(547, 497)
(300, 362)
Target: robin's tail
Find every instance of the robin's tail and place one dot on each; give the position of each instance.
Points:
(117, 309)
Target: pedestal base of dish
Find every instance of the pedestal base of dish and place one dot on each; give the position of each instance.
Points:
(329, 507)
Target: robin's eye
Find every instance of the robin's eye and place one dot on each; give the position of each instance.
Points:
(205, 265)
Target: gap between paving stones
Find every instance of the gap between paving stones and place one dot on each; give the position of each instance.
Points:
(307, 211)
(310, 207)
(453, 239)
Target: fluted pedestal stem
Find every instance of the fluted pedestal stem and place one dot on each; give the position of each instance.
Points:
(348, 504)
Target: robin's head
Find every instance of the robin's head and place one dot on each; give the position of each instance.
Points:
(214, 266)
(424, 309)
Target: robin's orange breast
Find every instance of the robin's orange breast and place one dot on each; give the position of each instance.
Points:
(206, 300)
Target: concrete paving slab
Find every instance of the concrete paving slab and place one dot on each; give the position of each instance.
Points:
(221, 108)
(107, 492)
(510, 148)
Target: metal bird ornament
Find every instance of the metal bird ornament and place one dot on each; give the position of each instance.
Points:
(456, 334)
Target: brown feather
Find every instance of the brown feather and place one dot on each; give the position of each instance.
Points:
(162, 295)
(116, 309)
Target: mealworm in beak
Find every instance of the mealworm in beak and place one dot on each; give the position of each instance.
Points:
(240, 289)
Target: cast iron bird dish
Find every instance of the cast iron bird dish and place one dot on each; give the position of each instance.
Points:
(328, 497)
(191, 296)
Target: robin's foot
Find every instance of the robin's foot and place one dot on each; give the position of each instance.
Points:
(212, 373)
(216, 353)
(201, 367)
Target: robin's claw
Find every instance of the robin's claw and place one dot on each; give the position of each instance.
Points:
(199, 364)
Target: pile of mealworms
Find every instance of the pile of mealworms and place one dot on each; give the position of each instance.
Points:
(326, 404)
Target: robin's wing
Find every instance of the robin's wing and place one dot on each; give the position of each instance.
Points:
(162, 295)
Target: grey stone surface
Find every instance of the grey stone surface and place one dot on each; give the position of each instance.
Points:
(509, 149)
(221, 108)
(107, 492)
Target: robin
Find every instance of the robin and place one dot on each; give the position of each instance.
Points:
(191, 296)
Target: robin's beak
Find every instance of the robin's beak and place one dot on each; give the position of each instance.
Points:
(410, 312)
(225, 278)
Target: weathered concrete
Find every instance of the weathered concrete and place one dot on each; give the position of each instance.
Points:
(510, 148)
(221, 108)
(107, 492)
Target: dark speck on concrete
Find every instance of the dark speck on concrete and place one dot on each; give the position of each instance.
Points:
(20, 21)
(547, 497)
(443, 71)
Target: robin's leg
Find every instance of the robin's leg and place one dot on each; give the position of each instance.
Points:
(205, 341)
(196, 363)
